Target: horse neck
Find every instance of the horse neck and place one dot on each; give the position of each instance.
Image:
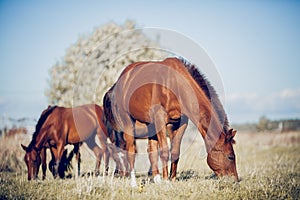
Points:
(208, 123)
(40, 139)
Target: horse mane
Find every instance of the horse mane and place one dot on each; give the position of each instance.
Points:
(40, 123)
(209, 91)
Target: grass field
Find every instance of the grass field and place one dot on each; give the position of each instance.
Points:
(267, 163)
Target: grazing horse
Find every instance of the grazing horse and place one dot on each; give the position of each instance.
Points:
(163, 96)
(33, 167)
(59, 126)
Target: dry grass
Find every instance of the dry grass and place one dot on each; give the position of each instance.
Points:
(268, 165)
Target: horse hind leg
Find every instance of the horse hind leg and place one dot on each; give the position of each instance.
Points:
(98, 153)
(106, 160)
(104, 150)
(91, 143)
(130, 148)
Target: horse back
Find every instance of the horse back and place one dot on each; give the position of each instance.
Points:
(145, 89)
(77, 124)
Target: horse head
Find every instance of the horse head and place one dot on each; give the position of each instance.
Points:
(221, 158)
(33, 161)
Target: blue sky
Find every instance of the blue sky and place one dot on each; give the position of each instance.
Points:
(254, 44)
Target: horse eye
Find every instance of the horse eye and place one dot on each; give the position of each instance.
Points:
(231, 157)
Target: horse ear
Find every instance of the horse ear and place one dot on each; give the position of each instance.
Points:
(24, 147)
(230, 135)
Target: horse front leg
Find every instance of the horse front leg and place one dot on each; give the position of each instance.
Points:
(78, 158)
(58, 152)
(153, 157)
(164, 151)
(160, 121)
(53, 152)
(44, 162)
(176, 138)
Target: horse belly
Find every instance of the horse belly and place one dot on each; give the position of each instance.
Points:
(140, 105)
(84, 124)
(150, 102)
(80, 132)
(141, 130)
(74, 138)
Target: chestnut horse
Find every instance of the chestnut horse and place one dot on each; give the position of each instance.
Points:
(163, 96)
(59, 126)
(33, 167)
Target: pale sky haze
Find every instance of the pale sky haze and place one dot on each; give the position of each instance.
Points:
(254, 44)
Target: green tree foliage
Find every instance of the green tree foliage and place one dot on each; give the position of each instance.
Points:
(93, 63)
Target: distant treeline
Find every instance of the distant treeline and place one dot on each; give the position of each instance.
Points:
(9, 122)
(265, 124)
(12, 126)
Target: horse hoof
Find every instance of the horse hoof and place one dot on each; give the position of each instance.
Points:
(157, 179)
(97, 173)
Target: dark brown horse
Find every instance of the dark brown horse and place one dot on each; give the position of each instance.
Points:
(33, 161)
(163, 96)
(59, 126)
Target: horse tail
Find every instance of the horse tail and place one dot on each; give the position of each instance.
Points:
(109, 116)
